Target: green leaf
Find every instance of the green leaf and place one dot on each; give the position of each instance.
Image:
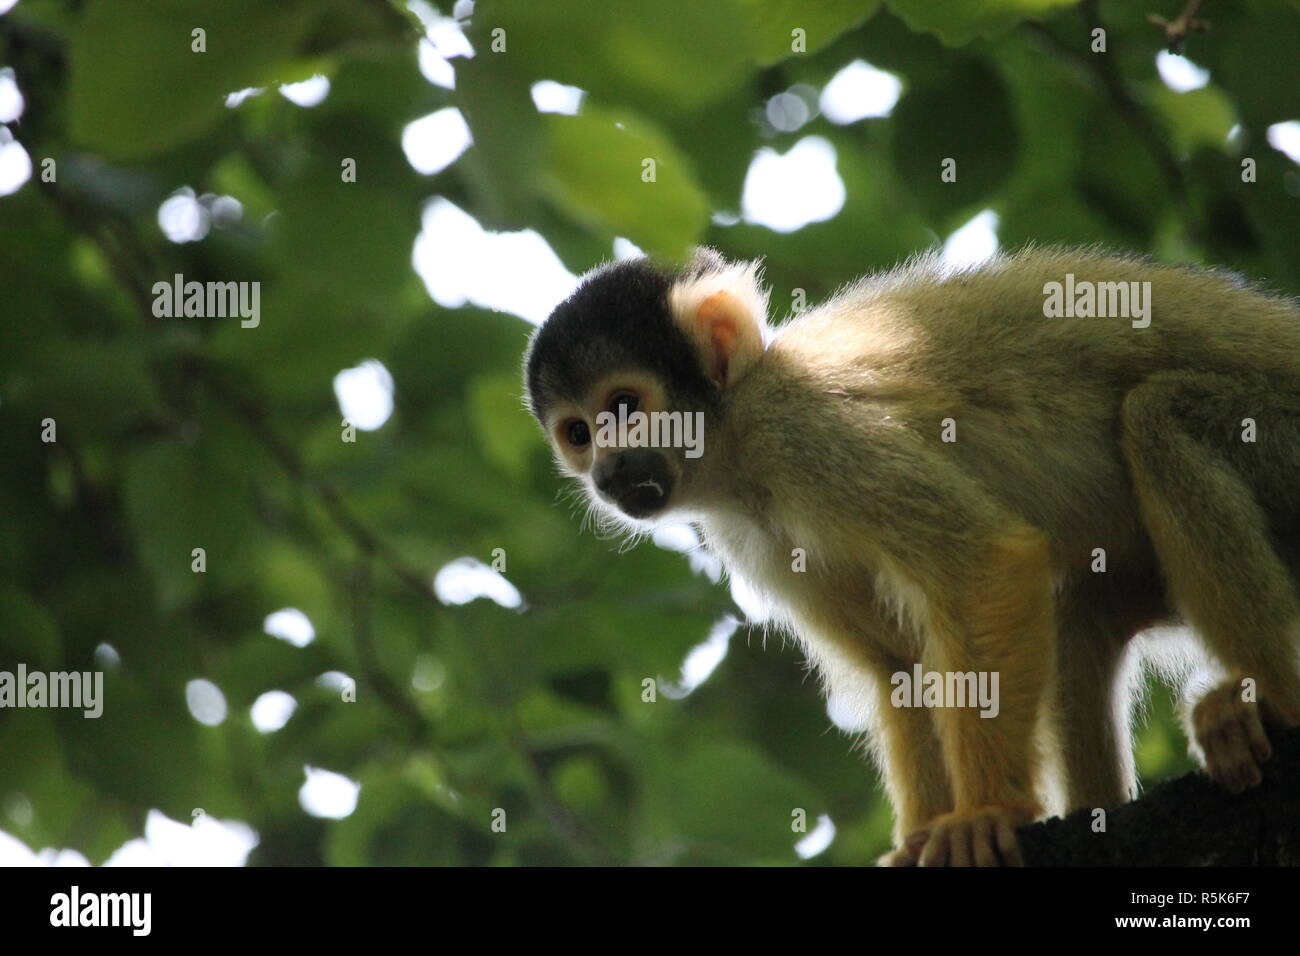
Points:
(393, 825)
(966, 117)
(181, 497)
(1122, 179)
(960, 22)
(137, 87)
(501, 168)
(775, 20)
(91, 386)
(580, 782)
(506, 432)
(353, 239)
(1247, 54)
(36, 771)
(143, 749)
(1195, 118)
(595, 167)
(731, 802)
(673, 55)
(30, 635)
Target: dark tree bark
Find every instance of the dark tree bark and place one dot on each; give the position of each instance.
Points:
(1188, 821)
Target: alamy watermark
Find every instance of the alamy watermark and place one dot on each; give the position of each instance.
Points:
(1084, 299)
(82, 690)
(130, 910)
(651, 430)
(208, 300)
(946, 689)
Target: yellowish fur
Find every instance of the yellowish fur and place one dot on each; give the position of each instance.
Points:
(1073, 437)
(1035, 478)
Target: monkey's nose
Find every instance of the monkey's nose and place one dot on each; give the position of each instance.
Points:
(638, 481)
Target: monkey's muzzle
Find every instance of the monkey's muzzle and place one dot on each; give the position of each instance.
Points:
(638, 481)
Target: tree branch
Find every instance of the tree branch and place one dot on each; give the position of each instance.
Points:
(1189, 821)
(1182, 26)
(1103, 70)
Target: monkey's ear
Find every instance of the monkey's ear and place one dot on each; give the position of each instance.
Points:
(724, 314)
(727, 337)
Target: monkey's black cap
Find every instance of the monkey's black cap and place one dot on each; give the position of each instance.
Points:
(618, 318)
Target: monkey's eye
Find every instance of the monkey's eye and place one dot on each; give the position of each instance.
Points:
(577, 433)
(624, 399)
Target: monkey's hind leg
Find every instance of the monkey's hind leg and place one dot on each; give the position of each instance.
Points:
(911, 762)
(1213, 495)
(1093, 699)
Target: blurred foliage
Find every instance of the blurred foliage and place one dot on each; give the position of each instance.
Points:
(181, 433)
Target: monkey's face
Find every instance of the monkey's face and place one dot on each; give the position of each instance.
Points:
(607, 441)
(625, 373)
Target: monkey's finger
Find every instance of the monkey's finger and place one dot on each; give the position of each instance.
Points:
(985, 853)
(960, 845)
(1219, 745)
(1007, 844)
(1237, 776)
(1246, 770)
(1248, 773)
(936, 849)
(915, 842)
(1259, 744)
(1225, 776)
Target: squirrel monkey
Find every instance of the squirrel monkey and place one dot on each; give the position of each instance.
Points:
(989, 472)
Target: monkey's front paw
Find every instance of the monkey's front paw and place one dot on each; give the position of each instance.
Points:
(982, 837)
(1230, 735)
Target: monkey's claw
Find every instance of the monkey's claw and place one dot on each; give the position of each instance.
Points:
(982, 837)
(1230, 735)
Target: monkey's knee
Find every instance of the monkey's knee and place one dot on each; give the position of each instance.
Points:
(1013, 602)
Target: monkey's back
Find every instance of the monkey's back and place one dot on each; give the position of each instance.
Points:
(949, 321)
(1031, 403)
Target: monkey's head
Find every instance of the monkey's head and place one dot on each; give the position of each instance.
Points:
(631, 371)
